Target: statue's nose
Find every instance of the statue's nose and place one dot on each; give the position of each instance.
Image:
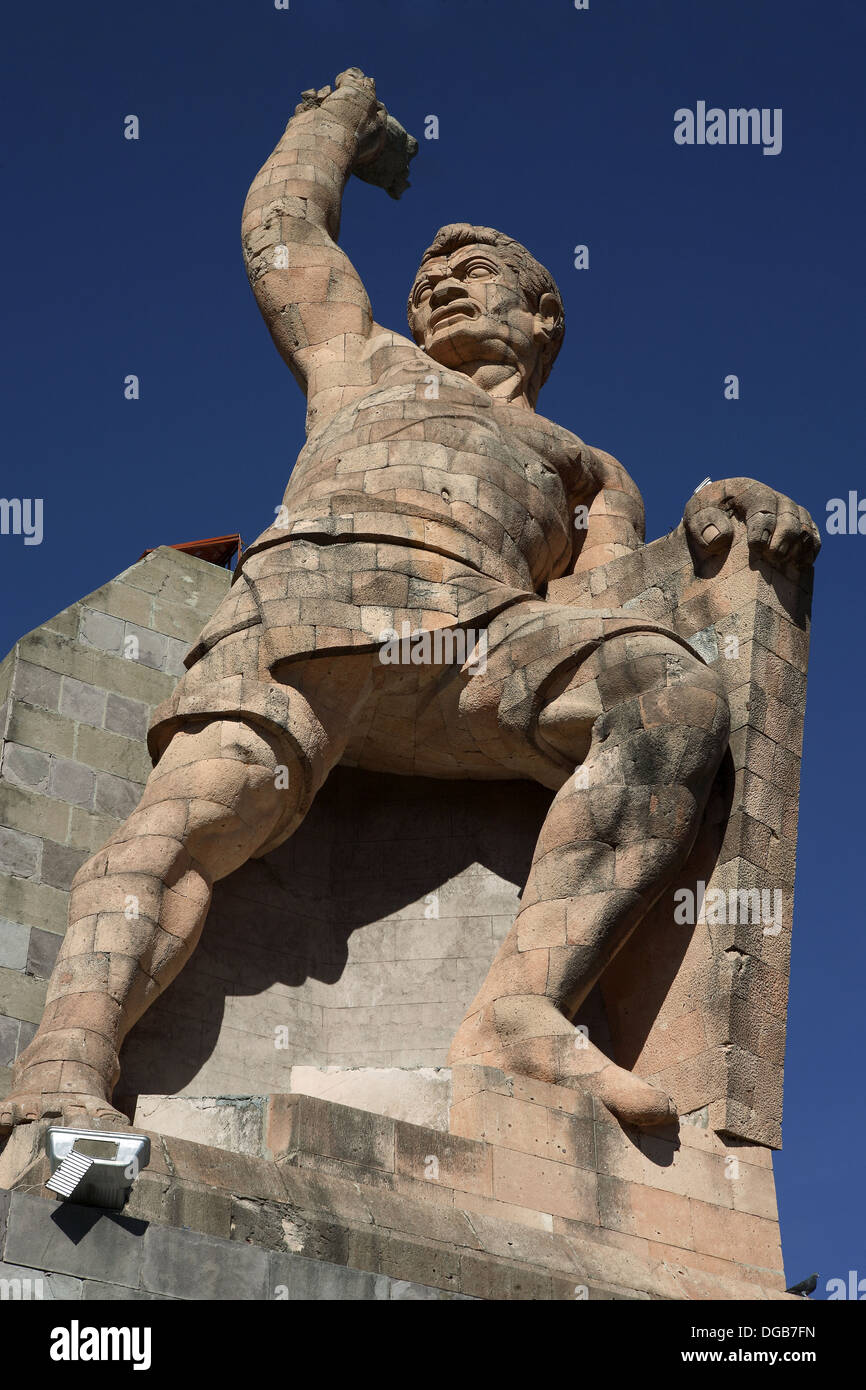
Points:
(447, 290)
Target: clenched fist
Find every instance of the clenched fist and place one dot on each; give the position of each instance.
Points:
(778, 530)
(383, 148)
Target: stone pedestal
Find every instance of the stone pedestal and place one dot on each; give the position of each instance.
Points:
(537, 1193)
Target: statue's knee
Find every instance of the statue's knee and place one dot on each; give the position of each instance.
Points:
(567, 720)
(713, 699)
(694, 696)
(244, 743)
(667, 687)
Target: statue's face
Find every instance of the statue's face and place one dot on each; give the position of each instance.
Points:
(467, 306)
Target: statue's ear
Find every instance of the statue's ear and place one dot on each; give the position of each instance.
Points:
(548, 316)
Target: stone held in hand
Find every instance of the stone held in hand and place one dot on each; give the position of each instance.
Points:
(390, 168)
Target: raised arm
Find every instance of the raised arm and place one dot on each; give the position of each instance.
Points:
(309, 293)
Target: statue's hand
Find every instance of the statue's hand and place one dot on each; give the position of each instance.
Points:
(777, 529)
(383, 147)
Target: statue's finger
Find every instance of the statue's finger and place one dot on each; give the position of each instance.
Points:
(787, 533)
(710, 528)
(760, 525)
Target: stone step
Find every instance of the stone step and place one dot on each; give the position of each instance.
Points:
(555, 1200)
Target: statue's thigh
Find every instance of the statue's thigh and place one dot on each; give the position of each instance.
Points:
(552, 671)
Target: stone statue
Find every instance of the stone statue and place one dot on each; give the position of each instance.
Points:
(430, 499)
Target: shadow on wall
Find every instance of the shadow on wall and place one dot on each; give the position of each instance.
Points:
(372, 845)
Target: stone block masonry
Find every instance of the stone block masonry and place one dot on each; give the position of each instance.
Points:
(536, 1194)
(76, 695)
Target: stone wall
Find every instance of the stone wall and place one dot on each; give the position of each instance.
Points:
(68, 1256)
(73, 714)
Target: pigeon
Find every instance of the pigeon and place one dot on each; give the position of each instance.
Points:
(805, 1286)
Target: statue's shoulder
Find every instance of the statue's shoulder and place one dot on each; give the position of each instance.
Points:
(555, 438)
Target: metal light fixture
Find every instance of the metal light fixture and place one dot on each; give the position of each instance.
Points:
(95, 1167)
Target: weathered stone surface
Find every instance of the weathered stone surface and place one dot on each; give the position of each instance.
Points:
(20, 996)
(42, 953)
(178, 1264)
(99, 1291)
(22, 1284)
(14, 942)
(421, 1095)
(235, 1123)
(8, 1040)
(80, 1241)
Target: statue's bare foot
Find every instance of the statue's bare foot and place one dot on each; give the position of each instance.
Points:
(72, 1109)
(69, 1092)
(528, 1035)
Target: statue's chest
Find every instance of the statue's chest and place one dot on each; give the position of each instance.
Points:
(426, 408)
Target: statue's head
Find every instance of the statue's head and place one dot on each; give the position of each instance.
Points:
(480, 296)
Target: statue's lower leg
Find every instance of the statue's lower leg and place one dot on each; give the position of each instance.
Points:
(136, 912)
(616, 835)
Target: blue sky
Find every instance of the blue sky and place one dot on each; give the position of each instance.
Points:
(556, 126)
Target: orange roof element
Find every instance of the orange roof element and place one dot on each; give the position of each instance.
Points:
(219, 550)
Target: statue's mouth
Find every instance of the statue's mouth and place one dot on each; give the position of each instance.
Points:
(460, 308)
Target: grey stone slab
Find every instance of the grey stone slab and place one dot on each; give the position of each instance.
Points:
(202, 1209)
(185, 1264)
(175, 653)
(26, 767)
(5, 1197)
(65, 622)
(177, 620)
(26, 1034)
(23, 809)
(36, 1285)
(67, 1239)
(82, 702)
(115, 796)
(35, 904)
(123, 602)
(40, 728)
(127, 717)
(37, 685)
(294, 1278)
(144, 645)
(14, 942)
(7, 671)
(9, 1029)
(44, 946)
(21, 996)
(101, 630)
(107, 752)
(61, 654)
(403, 1291)
(706, 644)
(19, 853)
(72, 782)
(131, 678)
(60, 863)
(97, 1292)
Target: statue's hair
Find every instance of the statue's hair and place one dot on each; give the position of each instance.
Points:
(534, 278)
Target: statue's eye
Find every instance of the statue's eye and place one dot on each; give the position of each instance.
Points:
(480, 270)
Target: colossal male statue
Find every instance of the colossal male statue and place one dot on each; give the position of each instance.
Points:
(430, 497)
